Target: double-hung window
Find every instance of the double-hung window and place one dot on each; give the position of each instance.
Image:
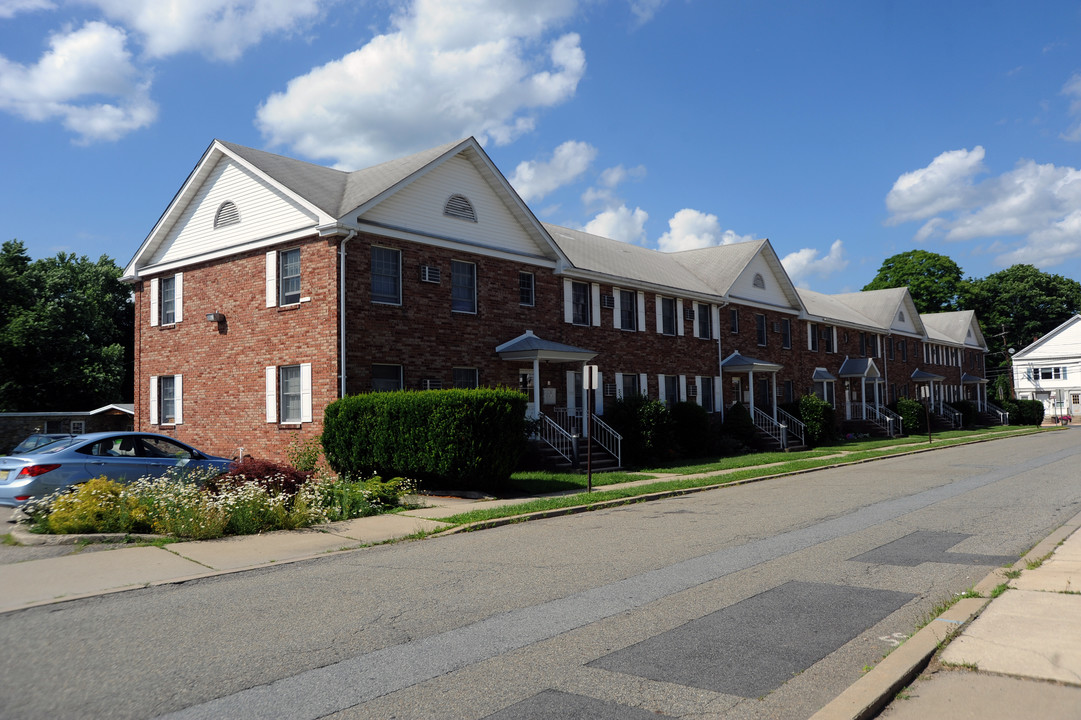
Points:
(705, 322)
(827, 336)
(289, 277)
(668, 316)
(466, 378)
(581, 304)
(786, 333)
(289, 393)
(705, 393)
(760, 326)
(166, 300)
(386, 378)
(812, 337)
(166, 399)
(733, 320)
(630, 386)
(526, 289)
(463, 290)
(386, 276)
(628, 310)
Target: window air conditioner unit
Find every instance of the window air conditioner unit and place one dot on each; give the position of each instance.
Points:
(429, 273)
(692, 391)
(688, 313)
(608, 302)
(776, 327)
(609, 389)
(430, 384)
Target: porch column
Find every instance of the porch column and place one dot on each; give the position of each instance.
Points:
(536, 388)
(863, 397)
(774, 376)
(878, 402)
(750, 381)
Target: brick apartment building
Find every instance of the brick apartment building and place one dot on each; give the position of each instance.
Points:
(271, 287)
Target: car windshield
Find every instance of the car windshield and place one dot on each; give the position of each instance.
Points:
(34, 442)
(55, 446)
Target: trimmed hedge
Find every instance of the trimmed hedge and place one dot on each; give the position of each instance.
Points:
(1024, 412)
(820, 419)
(646, 426)
(470, 438)
(913, 415)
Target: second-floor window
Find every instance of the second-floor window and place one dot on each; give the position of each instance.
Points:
(705, 322)
(168, 300)
(526, 289)
(581, 306)
(289, 277)
(760, 326)
(812, 337)
(463, 280)
(628, 310)
(786, 333)
(668, 315)
(386, 276)
(733, 320)
(827, 337)
(167, 400)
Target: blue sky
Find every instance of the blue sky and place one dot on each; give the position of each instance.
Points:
(844, 132)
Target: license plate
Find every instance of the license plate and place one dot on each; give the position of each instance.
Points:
(3, 475)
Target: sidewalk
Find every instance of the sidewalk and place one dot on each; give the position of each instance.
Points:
(1019, 658)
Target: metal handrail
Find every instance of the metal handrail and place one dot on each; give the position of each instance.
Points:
(883, 417)
(559, 439)
(570, 419)
(1003, 416)
(950, 414)
(771, 427)
(795, 427)
(608, 438)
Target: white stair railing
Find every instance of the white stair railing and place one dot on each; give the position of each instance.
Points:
(771, 427)
(1003, 416)
(884, 418)
(605, 436)
(795, 427)
(559, 439)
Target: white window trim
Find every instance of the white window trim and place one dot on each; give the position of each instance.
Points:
(272, 389)
(178, 297)
(657, 305)
(178, 399)
(683, 388)
(643, 384)
(595, 315)
(617, 306)
(568, 301)
(641, 312)
(155, 291)
(272, 281)
(475, 300)
(619, 386)
(679, 318)
(153, 399)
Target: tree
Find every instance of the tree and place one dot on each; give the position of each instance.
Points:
(933, 280)
(1022, 302)
(66, 332)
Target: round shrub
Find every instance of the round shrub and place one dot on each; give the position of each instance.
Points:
(819, 417)
(690, 426)
(913, 415)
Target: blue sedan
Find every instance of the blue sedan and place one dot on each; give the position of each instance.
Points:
(121, 456)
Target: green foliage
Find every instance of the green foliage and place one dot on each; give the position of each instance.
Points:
(818, 417)
(690, 429)
(738, 424)
(1024, 412)
(304, 454)
(66, 332)
(463, 437)
(933, 280)
(969, 412)
(646, 426)
(913, 415)
(97, 505)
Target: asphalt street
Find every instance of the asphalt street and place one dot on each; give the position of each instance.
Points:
(763, 600)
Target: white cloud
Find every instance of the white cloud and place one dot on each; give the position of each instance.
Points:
(603, 194)
(220, 29)
(806, 263)
(690, 229)
(533, 179)
(10, 8)
(644, 10)
(620, 223)
(943, 185)
(1033, 203)
(86, 79)
(447, 70)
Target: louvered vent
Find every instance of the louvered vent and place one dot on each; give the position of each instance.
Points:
(227, 215)
(429, 384)
(776, 327)
(688, 313)
(608, 302)
(759, 281)
(692, 390)
(458, 206)
(609, 389)
(429, 274)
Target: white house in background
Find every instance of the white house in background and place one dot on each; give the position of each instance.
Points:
(1049, 370)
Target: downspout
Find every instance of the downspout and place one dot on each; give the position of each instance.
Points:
(720, 359)
(341, 309)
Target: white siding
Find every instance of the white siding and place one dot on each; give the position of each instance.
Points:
(744, 286)
(264, 211)
(419, 207)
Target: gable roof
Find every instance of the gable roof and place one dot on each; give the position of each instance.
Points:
(954, 327)
(1049, 338)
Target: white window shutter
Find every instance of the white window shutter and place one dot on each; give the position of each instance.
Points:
(178, 398)
(660, 388)
(271, 283)
(568, 301)
(616, 305)
(598, 395)
(305, 392)
(595, 291)
(717, 401)
(698, 389)
(682, 388)
(178, 298)
(694, 322)
(660, 315)
(679, 317)
(715, 311)
(619, 386)
(643, 384)
(153, 399)
(642, 316)
(154, 302)
(570, 390)
(271, 394)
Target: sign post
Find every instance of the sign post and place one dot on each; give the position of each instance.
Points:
(589, 379)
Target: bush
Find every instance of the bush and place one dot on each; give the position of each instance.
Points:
(913, 415)
(690, 429)
(1024, 412)
(819, 417)
(460, 437)
(273, 477)
(646, 427)
(97, 505)
(738, 424)
(969, 412)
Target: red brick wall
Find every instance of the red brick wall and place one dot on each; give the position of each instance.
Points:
(223, 368)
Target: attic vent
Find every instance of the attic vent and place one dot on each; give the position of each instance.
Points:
(759, 281)
(227, 215)
(969, 333)
(901, 315)
(458, 206)
(608, 302)
(429, 274)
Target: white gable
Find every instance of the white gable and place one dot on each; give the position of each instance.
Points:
(904, 320)
(419, 208)
(759, 273)
(1061, 344)
(264, 212)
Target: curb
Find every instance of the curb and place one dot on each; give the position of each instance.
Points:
(866, 697)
